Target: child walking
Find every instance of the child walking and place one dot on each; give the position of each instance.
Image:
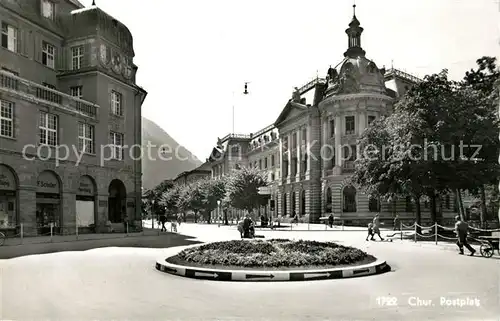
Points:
(370, 231)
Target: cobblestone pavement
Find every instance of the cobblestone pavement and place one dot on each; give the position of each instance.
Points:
(122, 284)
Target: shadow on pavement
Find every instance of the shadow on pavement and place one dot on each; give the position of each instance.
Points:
(155, 241)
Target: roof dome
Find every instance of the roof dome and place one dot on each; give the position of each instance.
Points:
(108, 27)
(356, 75)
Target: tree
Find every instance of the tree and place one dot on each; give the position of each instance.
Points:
(486, 80)
(153, 197)
(243, 187)
(212, 191)
(389, 165)
(170, 199)
(455, 117)
(191, 198)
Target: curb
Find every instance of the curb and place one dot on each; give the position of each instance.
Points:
(376, 267)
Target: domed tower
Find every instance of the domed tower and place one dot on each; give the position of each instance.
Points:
(355, 96)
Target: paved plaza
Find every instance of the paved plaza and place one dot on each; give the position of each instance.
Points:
(122, 284)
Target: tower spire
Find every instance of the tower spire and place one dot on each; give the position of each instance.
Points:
(93, 2)
(354, 36)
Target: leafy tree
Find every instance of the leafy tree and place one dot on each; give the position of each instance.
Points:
(486, 80)
(153, 197)
(191, 198)
(456, 118)
(170, 199)
(390, 166)
(213, 191)
(242, 188)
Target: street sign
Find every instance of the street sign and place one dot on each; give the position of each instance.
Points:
(264, 190)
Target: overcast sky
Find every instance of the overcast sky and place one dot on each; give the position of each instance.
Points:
(193, 54)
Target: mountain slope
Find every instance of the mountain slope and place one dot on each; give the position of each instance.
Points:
(174, 160)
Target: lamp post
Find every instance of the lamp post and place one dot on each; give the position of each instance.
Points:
(152, 214)
(218, 211)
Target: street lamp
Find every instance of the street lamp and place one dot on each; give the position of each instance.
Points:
(152, 214)
(218, 211)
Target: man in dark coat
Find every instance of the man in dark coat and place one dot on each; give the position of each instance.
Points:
(247, 222)
(461, 229)
(163, 220)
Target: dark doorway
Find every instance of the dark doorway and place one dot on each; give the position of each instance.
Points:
(328, 203)
(284, 205)
(349, 199)
(116, 201)
(303, 203)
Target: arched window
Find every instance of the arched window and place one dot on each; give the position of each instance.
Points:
(349, 196)
(328, 203)
(292, 204)
(303, 202)
(374, 204)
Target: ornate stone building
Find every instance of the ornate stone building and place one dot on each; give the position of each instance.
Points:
(67, 85)
(313, 142)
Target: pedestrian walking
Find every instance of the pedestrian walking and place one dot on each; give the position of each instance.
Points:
(179, 220)
(462, 229)
(330, 220)
(397, 223)
(376, 227)
(173, 226)
(370, 232)
(163, 220)
(240, 228)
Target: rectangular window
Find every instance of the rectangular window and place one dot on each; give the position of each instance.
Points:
(76, 57)
(9, 37)
(265, 163)
(76, 91)
(48, 55)
(260, 163)
(332, 127)
(48, 129)
(272, 160)
(6, 118)
(48, 9)
(349, 125)
(116, 103)
(304, 136)
(86, 138)
(116, 144)
(9, 82)
(371, 119)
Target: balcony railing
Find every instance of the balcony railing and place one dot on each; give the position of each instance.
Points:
(34, 91)
(402, 74)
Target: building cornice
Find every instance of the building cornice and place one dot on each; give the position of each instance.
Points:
(358, 96)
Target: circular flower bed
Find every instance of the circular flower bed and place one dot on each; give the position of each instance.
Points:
(271, 254)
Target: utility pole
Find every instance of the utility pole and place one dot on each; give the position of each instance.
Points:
(233, 112)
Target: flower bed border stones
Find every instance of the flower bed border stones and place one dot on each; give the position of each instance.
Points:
(260, 275)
